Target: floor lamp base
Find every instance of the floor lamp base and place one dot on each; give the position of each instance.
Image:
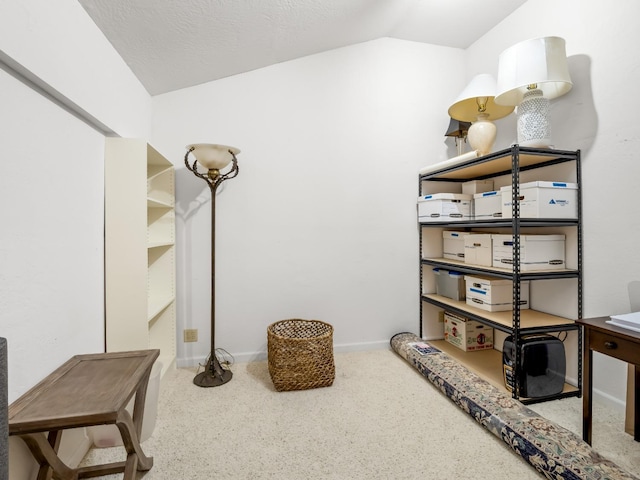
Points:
(213, 376)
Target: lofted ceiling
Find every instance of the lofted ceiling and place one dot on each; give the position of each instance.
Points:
(173, 44)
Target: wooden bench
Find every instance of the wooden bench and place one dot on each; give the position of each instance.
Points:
(87, 390)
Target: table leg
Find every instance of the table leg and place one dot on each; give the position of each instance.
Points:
(587, 385)
(636, 406)
(54, 438)
(44, 453)
(138, 406)
(131, 442)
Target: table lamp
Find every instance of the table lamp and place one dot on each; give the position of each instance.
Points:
(530, 74)
(476, 104)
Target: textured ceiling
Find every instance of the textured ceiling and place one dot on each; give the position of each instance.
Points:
(173, 44)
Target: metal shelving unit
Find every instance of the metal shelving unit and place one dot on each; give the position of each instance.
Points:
(512, 161)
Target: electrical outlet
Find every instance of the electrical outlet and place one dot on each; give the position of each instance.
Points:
(190, 335)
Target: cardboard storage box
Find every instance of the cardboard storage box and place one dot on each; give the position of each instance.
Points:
(445, 207)
(467, 335)
(477, 186)
(543, 200)
(493, 294)
(537, 252)
(487, 205)
(449, 284)
(453, 244)
(478, 250)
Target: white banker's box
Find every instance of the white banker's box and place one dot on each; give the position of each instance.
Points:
(537, 252)
(477, 249)
(487, 205)
(453, 244)
(543, 200)
(444, 207)
(477, 186)
(493, 294)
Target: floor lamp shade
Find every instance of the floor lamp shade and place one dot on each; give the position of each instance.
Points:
(530, 74)
(476, 104)
(212, 156)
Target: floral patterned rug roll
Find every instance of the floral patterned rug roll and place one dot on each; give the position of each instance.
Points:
(554, 451)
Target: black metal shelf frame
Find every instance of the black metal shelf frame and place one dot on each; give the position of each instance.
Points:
(547, 157)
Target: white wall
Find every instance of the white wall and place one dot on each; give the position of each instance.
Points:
(320, 222)
(52, 179)
(58, 44)
(51, 282)
(594, 117)
(62, 87)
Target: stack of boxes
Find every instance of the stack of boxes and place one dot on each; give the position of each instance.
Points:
(480, 201)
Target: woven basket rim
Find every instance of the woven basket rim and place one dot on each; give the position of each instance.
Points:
(329, 331)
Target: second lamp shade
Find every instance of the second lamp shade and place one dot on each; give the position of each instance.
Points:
(476, 104)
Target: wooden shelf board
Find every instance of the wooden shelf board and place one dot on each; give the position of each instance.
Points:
(167, 243)
(502, 271)
(528, 318)
(154, 203)
(496, 164)
(487, 364)
(157, 307)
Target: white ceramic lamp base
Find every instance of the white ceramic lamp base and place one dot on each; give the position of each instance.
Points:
(482, 135)
(533, 120)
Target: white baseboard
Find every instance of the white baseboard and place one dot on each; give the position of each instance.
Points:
(262, 355)
(604, 398)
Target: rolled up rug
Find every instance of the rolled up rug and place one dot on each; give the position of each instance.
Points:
(550, 448)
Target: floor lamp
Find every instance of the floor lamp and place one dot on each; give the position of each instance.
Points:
(213, 158)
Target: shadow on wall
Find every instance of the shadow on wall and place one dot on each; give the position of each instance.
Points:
(192, 195)
(574, 120)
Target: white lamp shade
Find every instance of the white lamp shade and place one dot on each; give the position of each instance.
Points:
(540, 61)
(213, 156)
(465, 107)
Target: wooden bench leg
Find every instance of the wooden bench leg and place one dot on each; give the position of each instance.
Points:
(131, 442)
(130, 467)
(45, 453)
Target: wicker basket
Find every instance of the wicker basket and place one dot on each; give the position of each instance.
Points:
(300, 354)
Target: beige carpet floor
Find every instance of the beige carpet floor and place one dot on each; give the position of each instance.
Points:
(380, 420)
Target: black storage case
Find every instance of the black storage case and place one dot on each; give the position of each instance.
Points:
(542, 365)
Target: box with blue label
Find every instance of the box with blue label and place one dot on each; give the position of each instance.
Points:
(453, 244)
(543, 200)
(468, 335)
(537, 252)
(449, 284)
(494, 294)
(444, 207)
(487, 205)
